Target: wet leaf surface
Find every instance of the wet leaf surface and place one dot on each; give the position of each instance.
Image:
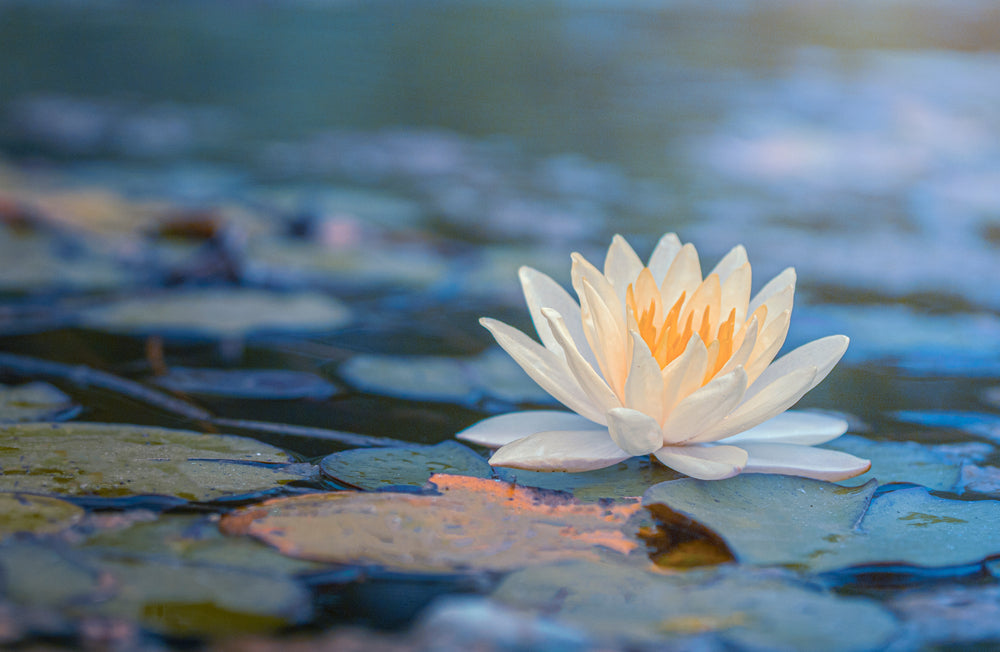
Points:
(35, 401)
(367, 468)
(727, 606)
(112, 460)
(628, 479)
(35, 514)
(472, 524)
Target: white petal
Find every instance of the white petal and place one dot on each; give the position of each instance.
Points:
(777, 284)
(741, 355)
(704, 462)
(705, 407)
(621, 266)
(561, 450)
(586, 376)
(663, 255)
(504, 428)
(582, 271)
(609, 339)
(541, 291)
(768, 402)
(803, 428)
(684, 275)
(736, 258)
(824, 354)
(634, 432)
(644, 387)
(770, 339)
(545, 368)
(684, 374)
(805, 461)
(736, 293)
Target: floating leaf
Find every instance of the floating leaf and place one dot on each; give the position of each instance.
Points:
(36, 514)
(445, 379)
(474, 523)
(951, 616)
(113, 460)
(727, 606)
(935, 467)
(626, 479)
(368, 468)
(166, 595)
(974, 423)
(824, 526)
(247, 383)
(36, 401)
(35, 263)
(232, 312)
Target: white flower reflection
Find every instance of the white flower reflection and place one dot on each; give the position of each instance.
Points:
(655, 359)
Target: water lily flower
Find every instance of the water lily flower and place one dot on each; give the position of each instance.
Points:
(655, 359)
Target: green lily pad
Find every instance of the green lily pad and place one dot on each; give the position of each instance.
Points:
(34, 262)
(36, 401)
(444, 379)
(626, 479)
(373, 468)
(723, 607)
(165, 595)
(113, 460)
(219, 312)
(35, 514)
(825, 527)
(195, 539)
(934, 467)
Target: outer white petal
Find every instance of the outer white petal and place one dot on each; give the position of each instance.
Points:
(561, 450)
(634, 432)
(586, 377)
(540, 291)
(768, 402)
(777, 284)
(705, 407)
(502, 429)
(805, 461)
(545, 368)
(644, 386)
(824, 354)
(704, 462)
(621, 266)
(610, 340)
(582, 271)
(770, 339)
(663, 255)
(736, 258)
(736, 293)
(803, 428)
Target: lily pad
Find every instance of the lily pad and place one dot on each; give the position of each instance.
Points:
(35, 514)
(36, 263)
(826, 527)
(626, 479)
(166, 595)
(974, 423)
(445, 379)
(950, 616)
(935, 467)
(727, 606)
(247, 383)
(113, 460)
(36, 401)
(472, 524)
(219, 312)
(374, 468)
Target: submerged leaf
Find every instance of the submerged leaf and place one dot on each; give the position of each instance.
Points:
(113, 460)
(368, 468)
(472, 524)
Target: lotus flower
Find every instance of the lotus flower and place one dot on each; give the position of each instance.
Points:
(655, 359)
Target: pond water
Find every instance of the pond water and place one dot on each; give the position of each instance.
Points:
(284, 220)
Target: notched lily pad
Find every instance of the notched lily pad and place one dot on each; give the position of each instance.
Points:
(220, 312)
(826, 527)
(35, 401)
(472, 524)
(247, 383)
(444, 379)
(111, 460)
(36, 514)
(374, 468)
(729, 606)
